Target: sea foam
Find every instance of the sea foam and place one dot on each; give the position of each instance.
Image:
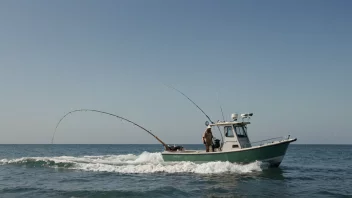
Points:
(129, 163)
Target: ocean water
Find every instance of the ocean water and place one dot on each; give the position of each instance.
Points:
(139, 171)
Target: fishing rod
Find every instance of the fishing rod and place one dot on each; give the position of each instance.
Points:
(122, 118)
(197, 107)
(223, 118)
(222, 113)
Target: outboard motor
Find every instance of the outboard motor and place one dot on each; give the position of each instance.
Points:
(216, 144)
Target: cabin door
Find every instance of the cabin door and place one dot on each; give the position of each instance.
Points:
(230, 139)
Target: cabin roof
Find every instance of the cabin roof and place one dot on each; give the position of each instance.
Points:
(229, 123)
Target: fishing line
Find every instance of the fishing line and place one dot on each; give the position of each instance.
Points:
(103, 112)
(197, 107)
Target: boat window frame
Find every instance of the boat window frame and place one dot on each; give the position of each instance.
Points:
(243, 135)
(232, 131)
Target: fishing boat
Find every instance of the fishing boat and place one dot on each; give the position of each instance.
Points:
(236, 146)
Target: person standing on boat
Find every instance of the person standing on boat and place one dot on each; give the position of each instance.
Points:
(208, 138)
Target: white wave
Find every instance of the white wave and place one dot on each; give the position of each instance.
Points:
(144, 163)
(179, 167)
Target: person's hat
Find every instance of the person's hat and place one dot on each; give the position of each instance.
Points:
(209, 127)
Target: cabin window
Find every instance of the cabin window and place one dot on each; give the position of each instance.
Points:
(229, 132)
(240, 131)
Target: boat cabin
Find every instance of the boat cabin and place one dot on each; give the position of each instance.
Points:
(234, 134)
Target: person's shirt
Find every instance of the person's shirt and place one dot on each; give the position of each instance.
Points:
(208, 137)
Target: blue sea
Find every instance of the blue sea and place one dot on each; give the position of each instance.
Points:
(139, 171)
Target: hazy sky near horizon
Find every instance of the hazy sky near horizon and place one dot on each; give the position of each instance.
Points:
(288, 62)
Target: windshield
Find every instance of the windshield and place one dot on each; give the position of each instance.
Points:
(240, 131)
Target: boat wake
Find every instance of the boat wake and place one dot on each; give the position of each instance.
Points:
(143, 163)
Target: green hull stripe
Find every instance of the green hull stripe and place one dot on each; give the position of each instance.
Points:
(245, 156)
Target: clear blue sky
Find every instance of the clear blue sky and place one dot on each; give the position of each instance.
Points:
(289, 62)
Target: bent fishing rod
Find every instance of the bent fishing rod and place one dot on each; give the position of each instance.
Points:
(222, 139)
(103, 112)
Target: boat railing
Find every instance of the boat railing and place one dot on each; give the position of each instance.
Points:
(267, 141)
